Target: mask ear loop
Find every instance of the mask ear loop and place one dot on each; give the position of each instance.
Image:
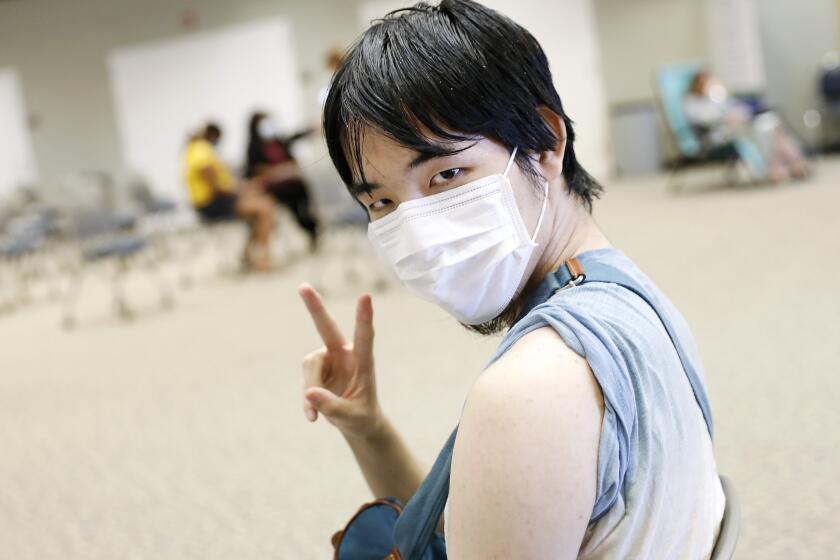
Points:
(542, 212)
(510, 162)
(545, 196)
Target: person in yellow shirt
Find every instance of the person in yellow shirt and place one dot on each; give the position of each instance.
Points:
(216, 197)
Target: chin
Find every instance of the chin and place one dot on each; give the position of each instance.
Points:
(507, 318)
(498, 324)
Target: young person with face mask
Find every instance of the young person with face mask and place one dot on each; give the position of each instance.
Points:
(589, 433)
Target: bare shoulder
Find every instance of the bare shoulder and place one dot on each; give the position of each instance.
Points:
(540, 371)
(525, 459)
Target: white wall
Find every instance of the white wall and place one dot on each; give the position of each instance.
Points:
(567, 32)
(17, 163)
(375, 9)
(795, 35)
(637, 37)
(736, 54)
(164, 90)
(60, 49)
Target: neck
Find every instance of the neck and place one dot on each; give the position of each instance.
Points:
(569, 231)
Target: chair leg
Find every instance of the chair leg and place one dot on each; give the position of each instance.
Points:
(22, 278)
(74, 290)
(6, 299)
(53, 274)
(673, 183)
(118, 289)
(167, 300)
(226, 240)
(190, 247)
(731, 173)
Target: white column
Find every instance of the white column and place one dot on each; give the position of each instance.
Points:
(735, 44)
(17, 161)
(568, 34)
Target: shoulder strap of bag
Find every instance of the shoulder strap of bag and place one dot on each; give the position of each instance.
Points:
(416, 526)
(575, 273)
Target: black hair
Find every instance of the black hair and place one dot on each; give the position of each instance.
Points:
(212, 130)
(430, 76)
(254, 124)
(697, 81)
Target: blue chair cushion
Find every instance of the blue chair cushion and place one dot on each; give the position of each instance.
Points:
(19, 247)
(122, 247)
(673, 83)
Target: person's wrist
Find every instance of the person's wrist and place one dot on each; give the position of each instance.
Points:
(375, 430)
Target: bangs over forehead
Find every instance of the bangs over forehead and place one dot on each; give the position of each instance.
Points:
(408, 80)
(432, 77)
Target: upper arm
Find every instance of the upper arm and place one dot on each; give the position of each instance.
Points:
(524, 468)
(200, 155)
(208, 172)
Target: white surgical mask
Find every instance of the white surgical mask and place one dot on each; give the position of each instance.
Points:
(266, 129)
(466, 249)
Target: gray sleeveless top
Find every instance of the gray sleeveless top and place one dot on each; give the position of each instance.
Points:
(658, 493)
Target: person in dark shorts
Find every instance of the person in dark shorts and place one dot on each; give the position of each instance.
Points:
(270, 161)
(222, 208)
(216, 197)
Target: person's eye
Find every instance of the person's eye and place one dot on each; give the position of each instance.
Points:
(445, 176)
(379, 205)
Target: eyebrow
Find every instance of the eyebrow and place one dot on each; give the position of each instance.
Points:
(434, 151)
(427, 153)
(363, 187)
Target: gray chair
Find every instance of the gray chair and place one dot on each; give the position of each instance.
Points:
(730, 527)
(103, 237)
(22, 251)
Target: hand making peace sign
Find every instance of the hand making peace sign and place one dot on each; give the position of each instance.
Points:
(338, 379)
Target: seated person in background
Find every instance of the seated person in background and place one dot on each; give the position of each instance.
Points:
(216, 198)
(721, 119)
(270, 162)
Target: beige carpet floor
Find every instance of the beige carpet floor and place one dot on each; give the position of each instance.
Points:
(179, 435)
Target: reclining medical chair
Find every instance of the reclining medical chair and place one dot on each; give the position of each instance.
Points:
(672, 83)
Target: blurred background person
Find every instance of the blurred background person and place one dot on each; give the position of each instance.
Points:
(720, 118)
(216, 197)
(270, 162)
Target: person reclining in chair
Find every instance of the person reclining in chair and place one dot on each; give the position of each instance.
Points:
(719, 119)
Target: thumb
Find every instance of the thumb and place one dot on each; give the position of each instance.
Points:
(324, 401)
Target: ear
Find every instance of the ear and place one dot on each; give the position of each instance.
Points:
(551, 161)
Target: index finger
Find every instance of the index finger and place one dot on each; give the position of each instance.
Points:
(324, 323)
(363, 337)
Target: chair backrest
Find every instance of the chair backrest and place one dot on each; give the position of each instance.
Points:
(730, 527)
(672, 84)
